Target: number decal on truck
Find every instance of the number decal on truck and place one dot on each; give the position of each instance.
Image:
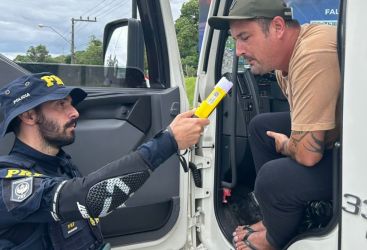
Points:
(354, 205)
(364, 214)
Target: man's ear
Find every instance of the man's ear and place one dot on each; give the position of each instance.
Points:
(279, 26)
(29, 117)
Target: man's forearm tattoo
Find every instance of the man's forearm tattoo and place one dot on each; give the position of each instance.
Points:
(295, 138)
(299, 136)
(314, 144)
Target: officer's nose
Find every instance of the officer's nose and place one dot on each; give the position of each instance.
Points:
(74, 114)
(71, 110)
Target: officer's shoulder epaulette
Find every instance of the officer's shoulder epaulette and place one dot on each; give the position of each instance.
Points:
(14, 166)
(15, 160)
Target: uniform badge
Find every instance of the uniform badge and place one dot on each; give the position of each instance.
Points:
(21, 189)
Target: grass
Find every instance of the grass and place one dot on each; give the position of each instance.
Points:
(190, 88)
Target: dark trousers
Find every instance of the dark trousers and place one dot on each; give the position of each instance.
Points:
(283, 187)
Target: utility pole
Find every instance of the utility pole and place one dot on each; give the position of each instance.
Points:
(134, 9)
(73, 20)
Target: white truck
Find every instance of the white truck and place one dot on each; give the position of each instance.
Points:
(141, 88)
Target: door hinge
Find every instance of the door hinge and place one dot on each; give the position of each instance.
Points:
(201, 162)
(195, 219)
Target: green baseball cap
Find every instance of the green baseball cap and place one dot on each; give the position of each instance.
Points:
(251, 9)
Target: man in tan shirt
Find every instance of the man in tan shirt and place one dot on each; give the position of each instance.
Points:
(291, 150)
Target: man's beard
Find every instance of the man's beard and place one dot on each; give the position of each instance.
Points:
(54, 134)
(257, 68)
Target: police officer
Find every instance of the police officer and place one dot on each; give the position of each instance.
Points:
(45, 203)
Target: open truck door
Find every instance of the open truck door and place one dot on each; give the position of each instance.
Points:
(227, 169)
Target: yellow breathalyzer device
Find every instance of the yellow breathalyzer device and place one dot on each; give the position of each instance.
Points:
(208, 105)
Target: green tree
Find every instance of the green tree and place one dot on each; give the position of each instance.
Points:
(22, 58)
(38, 54)
(93, 55)
(35, 54)
(187, 29)
(61, 59)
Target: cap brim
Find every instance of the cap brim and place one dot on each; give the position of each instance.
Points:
(222, 22)
(76, 94)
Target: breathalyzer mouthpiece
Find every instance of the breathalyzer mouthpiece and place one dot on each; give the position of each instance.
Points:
(211, 102)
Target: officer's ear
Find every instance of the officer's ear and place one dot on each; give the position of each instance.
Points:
(29, 117)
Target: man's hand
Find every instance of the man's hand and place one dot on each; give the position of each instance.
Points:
(306, 147)
(187, 130)
(281, 142)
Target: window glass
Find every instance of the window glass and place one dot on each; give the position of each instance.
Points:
(64, 37)
(227, 63)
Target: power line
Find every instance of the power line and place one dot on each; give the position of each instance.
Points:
(112, 9)
(74, 20)
(85, 13)
(106, 5)
(97, 13)
(100, 14)
(91, 14)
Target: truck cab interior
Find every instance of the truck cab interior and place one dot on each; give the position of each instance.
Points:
(235, 174)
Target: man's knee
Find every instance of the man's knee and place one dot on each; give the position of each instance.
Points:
(268, 182)
(255, 123)
(257, 129)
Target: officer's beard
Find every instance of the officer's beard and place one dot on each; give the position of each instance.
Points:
(54, 134)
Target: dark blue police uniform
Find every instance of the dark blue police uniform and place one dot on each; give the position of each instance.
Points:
(45, 203)
(28, 182)
(26, 221)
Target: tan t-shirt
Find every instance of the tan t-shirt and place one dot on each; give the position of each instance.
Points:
(313, 81)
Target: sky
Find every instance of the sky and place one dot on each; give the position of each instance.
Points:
(20, 22)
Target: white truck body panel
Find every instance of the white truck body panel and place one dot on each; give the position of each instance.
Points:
(354, 190)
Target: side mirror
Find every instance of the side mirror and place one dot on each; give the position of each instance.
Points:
(123, 53)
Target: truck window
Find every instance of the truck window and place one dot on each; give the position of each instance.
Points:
(65, 38)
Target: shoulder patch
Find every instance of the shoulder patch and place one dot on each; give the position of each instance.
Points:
(10, 173)
(21, 189)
